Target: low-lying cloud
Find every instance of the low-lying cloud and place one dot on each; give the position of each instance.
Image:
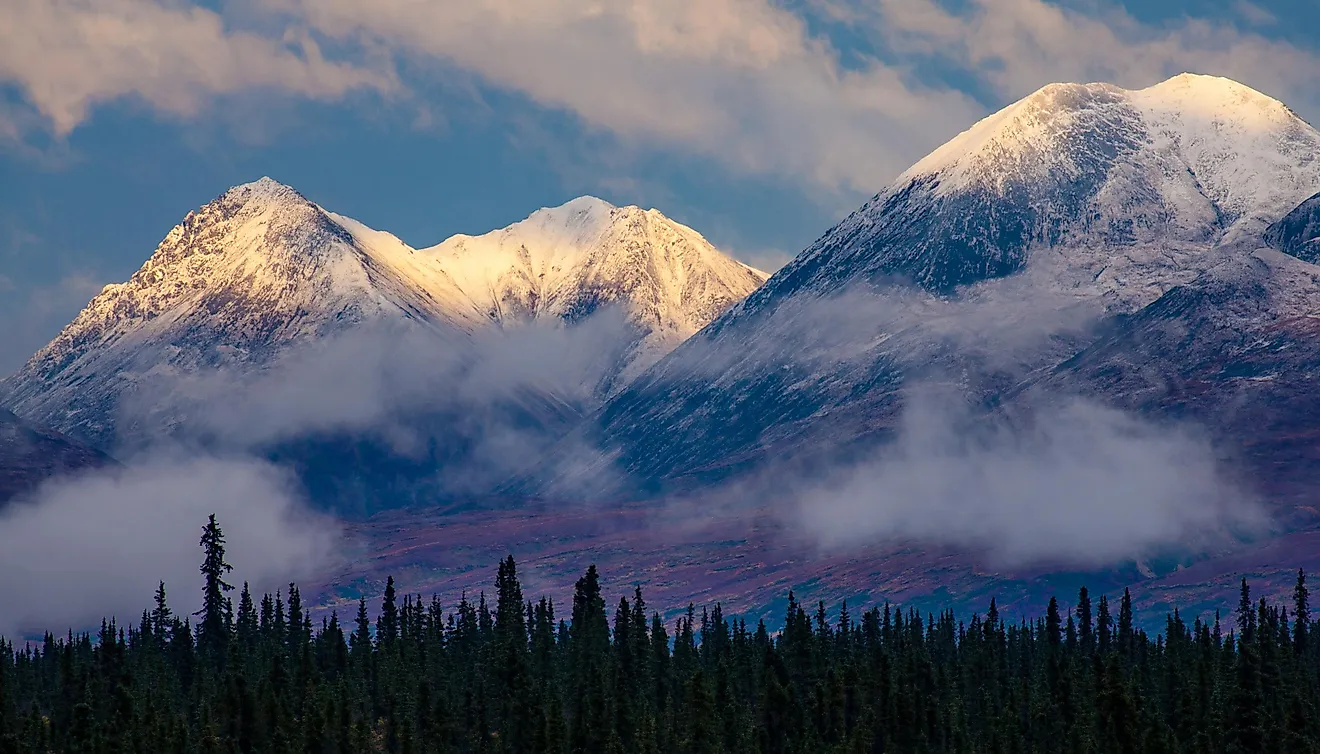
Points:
(1043, 478)
(1070, 482)
(97, 545)
(467, 410)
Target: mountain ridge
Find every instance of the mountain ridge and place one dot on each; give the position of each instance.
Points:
(1101, 222)
(262, 269)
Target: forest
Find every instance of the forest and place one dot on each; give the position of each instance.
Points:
(248, 674)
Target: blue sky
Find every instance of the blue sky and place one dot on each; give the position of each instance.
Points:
(757, 122)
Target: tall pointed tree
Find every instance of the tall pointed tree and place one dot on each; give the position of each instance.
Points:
(212, 630)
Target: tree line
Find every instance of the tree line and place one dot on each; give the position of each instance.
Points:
(519, 676)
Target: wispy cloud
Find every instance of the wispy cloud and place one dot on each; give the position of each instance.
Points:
(69, 55)
(1254, 14)
(1017, 46)
(749, 84)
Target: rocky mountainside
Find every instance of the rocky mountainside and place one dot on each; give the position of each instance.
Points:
(1298, 233)
(29, 456)
(566, 263)
(261, 271)
(1001, 254)
(1237, 351)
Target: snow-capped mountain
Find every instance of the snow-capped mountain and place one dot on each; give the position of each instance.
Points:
(1127, 190)
(248, 279)
(237, 282)
(565, 263)
(990, 259)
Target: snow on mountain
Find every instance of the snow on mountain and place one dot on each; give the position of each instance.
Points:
(565, 263)
(1123, 193)
(261, 271)
(248, 275)
(978, 266)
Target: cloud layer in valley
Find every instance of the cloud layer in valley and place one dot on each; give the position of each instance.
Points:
(469, 410)
(96, 545)
(1075, 484)
(1046, 478)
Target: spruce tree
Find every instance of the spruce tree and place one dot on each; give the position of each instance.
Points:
(212, 630)
(1301, 614)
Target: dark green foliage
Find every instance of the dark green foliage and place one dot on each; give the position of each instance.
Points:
(516, 680)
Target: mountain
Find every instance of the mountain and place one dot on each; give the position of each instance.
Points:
(1298, 233)
(1002, 253)
(1237, 351)
(565, 263)
(29, 456)
(265, 321)
(240, 280)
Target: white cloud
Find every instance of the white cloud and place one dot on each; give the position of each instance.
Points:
(1077, 484)
(96, 545)
(69, 55)
(745, 83)
(740, 81)
(1018, 46)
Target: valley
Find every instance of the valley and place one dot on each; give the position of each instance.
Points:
(1076, 343)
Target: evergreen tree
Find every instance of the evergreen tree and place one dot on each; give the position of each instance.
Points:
(213, 630)
(1301, 613)
(890, 679)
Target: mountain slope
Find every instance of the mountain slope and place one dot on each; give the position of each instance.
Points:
(1298, 233)
(1235, 351)
(256, 271)
(266, 322)
(567, 262)
(1077, 203)
(30, 456)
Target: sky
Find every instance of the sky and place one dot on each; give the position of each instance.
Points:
(758, 122)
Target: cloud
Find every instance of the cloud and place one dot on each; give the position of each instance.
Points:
(1017, 46)
(67, 56)
(740, 81)
(1074, 484)
(748, 83)
(751, 84)
(1254, 14)
(456, 413)
(96, 545)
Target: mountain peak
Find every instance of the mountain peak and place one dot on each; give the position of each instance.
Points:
(264, 190)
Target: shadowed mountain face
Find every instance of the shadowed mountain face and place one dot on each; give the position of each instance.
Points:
(1237, 352)
(997, 257)
(1299, 232)
(30, 456)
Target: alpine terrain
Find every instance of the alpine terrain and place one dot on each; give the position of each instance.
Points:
(262, 315)
(29, 456)
(1082, 238)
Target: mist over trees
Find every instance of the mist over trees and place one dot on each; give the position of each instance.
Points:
(251, 674)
